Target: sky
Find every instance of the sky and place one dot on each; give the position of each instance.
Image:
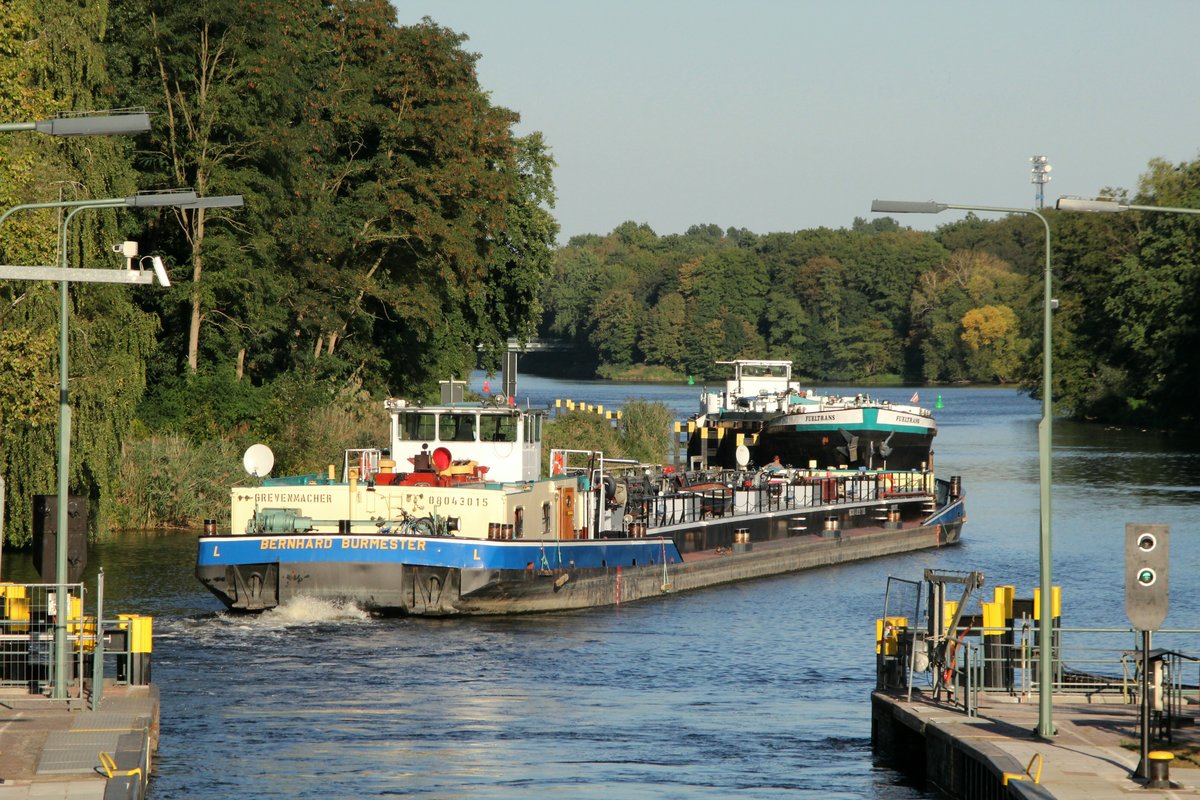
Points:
(783, 115)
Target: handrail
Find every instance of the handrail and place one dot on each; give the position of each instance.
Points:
(111, 771)
(1028, 774)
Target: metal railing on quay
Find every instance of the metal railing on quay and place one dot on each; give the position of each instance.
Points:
(1097, 664)
(114, 650)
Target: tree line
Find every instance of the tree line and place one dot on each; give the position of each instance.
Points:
(878, 302)
(397, 231)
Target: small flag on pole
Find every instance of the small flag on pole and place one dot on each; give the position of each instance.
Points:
(916, 398)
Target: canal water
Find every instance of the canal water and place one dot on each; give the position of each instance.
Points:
(758, 690)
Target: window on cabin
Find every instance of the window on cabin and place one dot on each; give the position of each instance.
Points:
(417, 427)
(533, 429)
(458, 428)
(498, 428)
(545, 519)
(518, 522)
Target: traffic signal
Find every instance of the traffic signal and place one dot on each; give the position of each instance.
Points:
(1146, 575)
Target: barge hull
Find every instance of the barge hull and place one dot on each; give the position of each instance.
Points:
(449, 591)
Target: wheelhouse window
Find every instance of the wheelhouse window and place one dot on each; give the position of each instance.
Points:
(498, 428)
(457, 428)
(416, 426)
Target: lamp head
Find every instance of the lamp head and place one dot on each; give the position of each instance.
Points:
(160, 272)
(1096, 206)
(906, 207)
(95, 124)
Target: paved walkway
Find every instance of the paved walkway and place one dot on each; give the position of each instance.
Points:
(48, 751)
(1092, 755)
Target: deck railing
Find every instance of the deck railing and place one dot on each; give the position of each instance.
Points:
(695, 497)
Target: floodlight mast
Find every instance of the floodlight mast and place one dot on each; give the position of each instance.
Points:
(141, 200)
(1041, 176)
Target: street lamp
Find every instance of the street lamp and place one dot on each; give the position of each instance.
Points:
(181, 198)
(86, 123)
(1045, 673)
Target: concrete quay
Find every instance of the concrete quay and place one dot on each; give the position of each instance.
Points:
(1093, 754)
(52, 749)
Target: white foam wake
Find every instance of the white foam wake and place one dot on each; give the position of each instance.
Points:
(308, 610)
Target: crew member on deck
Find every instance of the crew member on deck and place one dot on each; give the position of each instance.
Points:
(775, 464)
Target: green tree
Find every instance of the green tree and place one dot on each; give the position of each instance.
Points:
(661, 336)
(64, 67)
(949, 297)
(616, 328)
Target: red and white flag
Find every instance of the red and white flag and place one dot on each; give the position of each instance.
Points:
(915, 398)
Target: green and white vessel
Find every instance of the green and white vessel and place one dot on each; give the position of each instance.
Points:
(761, 414)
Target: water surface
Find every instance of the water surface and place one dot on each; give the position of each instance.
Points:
(759, 690)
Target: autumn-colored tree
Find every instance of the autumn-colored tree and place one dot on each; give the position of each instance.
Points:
(992, 332)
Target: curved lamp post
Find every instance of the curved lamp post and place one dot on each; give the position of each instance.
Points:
(1045, 667)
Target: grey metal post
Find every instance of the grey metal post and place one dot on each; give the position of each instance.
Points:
(1144, 764)
(98, 648)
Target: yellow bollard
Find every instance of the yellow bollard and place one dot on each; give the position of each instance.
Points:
(1004, 595)
(1055, 603)
(141, 643)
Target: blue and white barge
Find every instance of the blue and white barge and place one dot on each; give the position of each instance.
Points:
(455, 517)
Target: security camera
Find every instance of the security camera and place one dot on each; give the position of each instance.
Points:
(160, 272)
(127, 249)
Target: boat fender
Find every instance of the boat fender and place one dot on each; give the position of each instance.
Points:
(610, 488)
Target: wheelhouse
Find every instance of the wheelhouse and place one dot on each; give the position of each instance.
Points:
(507, 439)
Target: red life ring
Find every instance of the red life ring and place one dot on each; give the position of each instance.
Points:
(556, 464)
